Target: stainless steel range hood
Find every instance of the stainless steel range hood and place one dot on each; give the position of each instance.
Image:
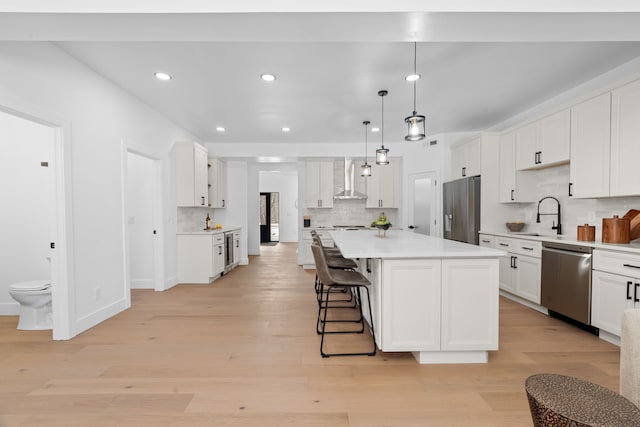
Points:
(349, 192)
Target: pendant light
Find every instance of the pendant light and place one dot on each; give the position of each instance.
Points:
(415, 122)
(382, 154)
(366, 167)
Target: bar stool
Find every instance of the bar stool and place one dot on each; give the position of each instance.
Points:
(335, 278)
(334, 260)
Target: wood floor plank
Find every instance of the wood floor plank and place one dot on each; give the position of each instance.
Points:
(243, 351)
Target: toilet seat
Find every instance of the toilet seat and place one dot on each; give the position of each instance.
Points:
(34, 285)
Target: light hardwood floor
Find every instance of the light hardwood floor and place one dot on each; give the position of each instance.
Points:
(243, 351)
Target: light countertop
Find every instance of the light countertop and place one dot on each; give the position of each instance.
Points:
(633, 247)
(212, 231)
(405, 244)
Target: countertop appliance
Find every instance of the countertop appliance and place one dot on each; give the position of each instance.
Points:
(566, 281)
(461, 209)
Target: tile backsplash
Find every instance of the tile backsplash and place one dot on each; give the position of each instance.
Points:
(554, 182)
(193, 219)
(348, 212)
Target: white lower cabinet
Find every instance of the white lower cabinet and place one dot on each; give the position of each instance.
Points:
(218, 254)
(201, 256)
(469, 318)
(433, 305)
(615, 286)
(411, 305)
(195, 258)
(520, 270)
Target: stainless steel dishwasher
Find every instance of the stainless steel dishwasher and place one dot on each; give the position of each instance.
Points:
(566, 280)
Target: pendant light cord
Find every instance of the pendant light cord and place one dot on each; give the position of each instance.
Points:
(415, 72)
(382, 125)
(365, 142)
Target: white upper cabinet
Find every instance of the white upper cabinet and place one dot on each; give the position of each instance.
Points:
(515, 186)
(383, 186)
(217, 183)
(191, 175)
(544, 142)
(625, 140)
(319, 183)
(465, 159)
(590, 144)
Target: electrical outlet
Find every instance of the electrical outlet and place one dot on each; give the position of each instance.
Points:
(98, 292)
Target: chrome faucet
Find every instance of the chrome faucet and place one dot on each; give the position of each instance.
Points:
(558, 227)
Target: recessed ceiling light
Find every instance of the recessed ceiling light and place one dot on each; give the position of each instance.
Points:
(375, 129)
(286, 129)
(268, 77)
(220, 129)
(412, 77)
(162, 76)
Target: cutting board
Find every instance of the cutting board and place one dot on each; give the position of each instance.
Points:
(634, 223)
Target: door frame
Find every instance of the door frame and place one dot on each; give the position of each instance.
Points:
(62, 256)
(267, 195)
(436, 202)
(157, 201)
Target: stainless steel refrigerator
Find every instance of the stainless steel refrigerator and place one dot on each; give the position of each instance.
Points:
(461, 209)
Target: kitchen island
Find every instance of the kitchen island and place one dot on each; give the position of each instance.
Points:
(433, 297)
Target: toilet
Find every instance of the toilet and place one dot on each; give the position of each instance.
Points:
(35, 304)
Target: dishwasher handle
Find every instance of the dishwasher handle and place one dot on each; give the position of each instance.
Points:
(565, 252)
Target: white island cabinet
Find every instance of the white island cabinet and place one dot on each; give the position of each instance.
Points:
(433, 297)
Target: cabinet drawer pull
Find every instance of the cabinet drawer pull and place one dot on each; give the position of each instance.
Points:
(512, 197)
(529, 249)
(503, 244)
(629, 283)
(515, 258)
(464, 171)
(635, 292)
(630, 265)
(486, 241)
(570, 188)
(202, 200)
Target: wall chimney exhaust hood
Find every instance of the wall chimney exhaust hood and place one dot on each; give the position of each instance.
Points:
(349, 192)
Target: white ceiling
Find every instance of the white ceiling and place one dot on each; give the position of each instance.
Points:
(478, 69)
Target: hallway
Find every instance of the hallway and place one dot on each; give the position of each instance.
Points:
(243, 351)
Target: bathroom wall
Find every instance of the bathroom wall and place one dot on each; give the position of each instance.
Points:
(26, 208)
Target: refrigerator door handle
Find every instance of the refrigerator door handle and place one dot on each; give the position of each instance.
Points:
(448, 221)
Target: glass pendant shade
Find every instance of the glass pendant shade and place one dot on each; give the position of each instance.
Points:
(415, 127)
(382, 154)
(415, 122)
(366, 167)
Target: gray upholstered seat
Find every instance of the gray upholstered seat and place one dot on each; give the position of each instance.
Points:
(341, 279)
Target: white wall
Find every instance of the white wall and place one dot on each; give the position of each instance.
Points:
(284, 182)
(41, 80)
(26, 205)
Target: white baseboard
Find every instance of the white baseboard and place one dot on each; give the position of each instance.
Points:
(99, 316)
(9, 309)
(142, 284)
(170, 283)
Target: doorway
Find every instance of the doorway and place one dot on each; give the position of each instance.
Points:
(423, 203)
(35, 202)
(142, 220)
(269, 218)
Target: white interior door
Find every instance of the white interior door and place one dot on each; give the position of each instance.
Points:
(141, 222)
(423, 203)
